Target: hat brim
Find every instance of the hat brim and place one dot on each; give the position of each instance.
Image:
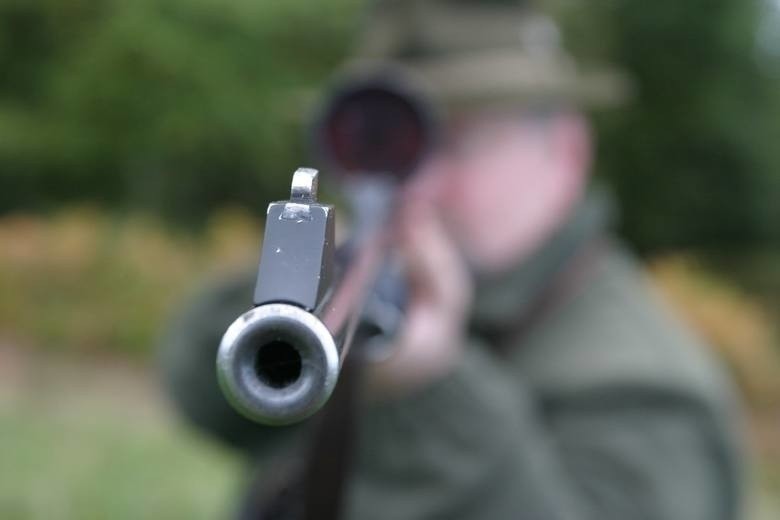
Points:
(511, 77)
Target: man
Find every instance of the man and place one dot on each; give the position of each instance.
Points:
(536, 377)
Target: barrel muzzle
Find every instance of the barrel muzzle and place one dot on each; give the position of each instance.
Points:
(277, 364)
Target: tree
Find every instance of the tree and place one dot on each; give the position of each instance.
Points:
(178, 106)
(692, 158)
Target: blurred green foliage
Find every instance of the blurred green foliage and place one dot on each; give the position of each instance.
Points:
(693, 157)
(177, 106)
(183, 106)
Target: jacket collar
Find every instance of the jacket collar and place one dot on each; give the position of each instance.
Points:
(500, 301)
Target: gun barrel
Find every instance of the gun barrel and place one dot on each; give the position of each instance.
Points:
(279, 362)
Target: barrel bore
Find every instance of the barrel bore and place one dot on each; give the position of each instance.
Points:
(278, 364)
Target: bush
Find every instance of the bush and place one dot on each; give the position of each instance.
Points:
(82, 281)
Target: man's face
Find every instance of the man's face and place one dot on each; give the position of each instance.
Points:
(503, 182)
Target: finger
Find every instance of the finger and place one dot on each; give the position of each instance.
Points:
(436, 271)
(428, 184)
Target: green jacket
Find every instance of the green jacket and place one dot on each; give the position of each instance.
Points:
(579, 397)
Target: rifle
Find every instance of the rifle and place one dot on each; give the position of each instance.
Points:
(279, 362)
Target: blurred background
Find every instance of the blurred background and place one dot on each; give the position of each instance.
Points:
(141, 141)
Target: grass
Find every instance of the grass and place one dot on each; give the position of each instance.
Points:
(92, 441)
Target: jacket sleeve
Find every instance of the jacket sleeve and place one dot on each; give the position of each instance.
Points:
(481, 445)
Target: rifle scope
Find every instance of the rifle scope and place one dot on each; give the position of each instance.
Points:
(377, 124)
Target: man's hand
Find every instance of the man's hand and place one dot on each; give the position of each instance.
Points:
(440, 288)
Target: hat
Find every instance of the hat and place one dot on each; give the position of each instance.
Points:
(482, 52)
